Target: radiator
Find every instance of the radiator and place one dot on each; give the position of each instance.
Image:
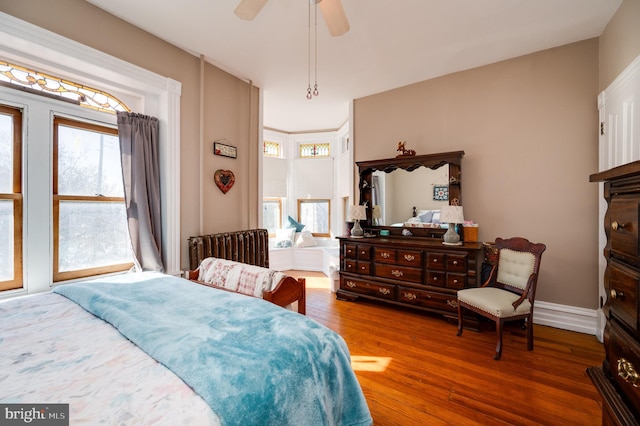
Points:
(250, 246)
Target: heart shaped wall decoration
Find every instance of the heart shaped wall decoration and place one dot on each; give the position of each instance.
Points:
(224, 179)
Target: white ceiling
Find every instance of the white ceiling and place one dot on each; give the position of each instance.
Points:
(391, 43)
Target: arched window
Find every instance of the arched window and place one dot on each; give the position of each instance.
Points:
(12, 75)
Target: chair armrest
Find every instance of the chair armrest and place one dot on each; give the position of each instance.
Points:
(492, 276)
(525, 294)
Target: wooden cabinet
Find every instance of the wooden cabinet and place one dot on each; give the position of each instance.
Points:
(417, 272)
(618, 379)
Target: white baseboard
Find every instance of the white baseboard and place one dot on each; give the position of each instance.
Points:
(566, 317)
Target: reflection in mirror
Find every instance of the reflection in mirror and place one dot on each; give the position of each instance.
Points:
(400, 191)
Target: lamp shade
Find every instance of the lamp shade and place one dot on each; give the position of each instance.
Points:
(358, 212)
(451, 214)
(376, 213)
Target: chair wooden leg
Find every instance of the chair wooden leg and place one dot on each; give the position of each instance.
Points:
(529, 333)
(459, 319)
(499, 345)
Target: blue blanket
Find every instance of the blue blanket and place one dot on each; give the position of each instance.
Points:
(254, 363)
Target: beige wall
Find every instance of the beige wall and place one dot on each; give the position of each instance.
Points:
(226, 110)
(619, 42)
(528, 129)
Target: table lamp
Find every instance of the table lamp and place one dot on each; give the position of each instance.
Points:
(451, 215)
(358, 213)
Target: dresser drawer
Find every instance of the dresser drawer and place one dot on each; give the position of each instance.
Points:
(428, 299)
(623, 214)
(363, 252)
(357, 266)
(436, 261)
(623, 356)
(383, 291)
(456, 281)
(410, 258)
(456, 262)
(396, 272)
(384, 255)
(623, 294)
(349, 250)
(436, 278)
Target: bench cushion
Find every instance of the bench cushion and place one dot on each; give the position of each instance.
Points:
(239, 277)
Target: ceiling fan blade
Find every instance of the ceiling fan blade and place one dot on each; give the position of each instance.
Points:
(249, 9)
(334, 16)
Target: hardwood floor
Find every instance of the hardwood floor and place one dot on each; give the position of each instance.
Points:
(414, 370)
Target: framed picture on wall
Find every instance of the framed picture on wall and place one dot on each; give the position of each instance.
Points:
(225, 150)
(440, 192)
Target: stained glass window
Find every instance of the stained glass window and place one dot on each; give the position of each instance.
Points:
(314, 150)
(40, 83)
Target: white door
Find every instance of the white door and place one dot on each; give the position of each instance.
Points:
(619, 141)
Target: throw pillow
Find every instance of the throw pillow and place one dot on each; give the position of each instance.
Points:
(292, 223)
(305, 239)
(426, 218)
(285, 237)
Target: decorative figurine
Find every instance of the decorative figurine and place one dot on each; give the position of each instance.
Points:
(405, 152)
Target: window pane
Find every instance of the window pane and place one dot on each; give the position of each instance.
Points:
(92, 235)
(6, 240)
(88, 163)
(6, 154)
(271, 215)
(315, 215)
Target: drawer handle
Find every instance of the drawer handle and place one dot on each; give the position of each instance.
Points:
(455, 281)
(452, 303)
(627, 372)
(384, 290)
(615, 225)
(362, 268)
(409, 257)
(435, 260)
(351, 284)
(385, 255)
(455, 262)
(434, 279)
(363, 252)
(396, 273)
(616, 294)
(410, 296)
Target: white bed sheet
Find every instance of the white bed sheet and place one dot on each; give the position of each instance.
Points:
(53, 351)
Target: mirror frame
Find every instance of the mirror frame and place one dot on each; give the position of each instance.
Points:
(409, 163)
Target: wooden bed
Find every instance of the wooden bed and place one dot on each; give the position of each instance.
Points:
(147, 348)
(250, 247)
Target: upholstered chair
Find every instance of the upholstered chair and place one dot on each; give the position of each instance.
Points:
(509, 291)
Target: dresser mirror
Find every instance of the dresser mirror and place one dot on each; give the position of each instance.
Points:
(405, 186)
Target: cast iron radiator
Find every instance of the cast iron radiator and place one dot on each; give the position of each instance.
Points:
(250, 246)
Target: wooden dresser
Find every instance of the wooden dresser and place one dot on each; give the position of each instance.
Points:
(418, 272)
(617, 380)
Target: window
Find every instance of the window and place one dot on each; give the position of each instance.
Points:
(315, 215)
(308, 150)
(10, 198)
(90, 233)
(271, 149)
(272, 214)
(40, 83)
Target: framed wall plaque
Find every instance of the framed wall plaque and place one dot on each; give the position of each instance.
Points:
(225, 150)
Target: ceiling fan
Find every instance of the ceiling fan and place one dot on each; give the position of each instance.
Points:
(332, 11)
